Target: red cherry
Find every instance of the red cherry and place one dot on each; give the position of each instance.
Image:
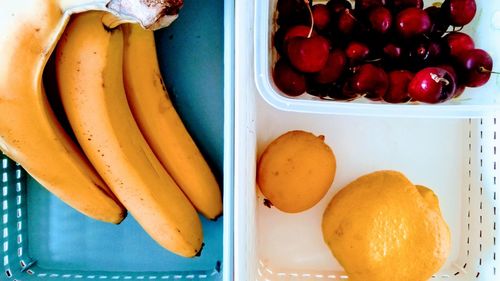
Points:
(412, 22)
(439, 23)
(460, 87)
(346, 22)
(298, 31)
(425, 53)
(321, 16)
(403, 4)
(357, 51)
(380, 19)
(432, 85)
(459, 12)
(475, 67)
(288, 80)
(398, 86)
(333, 69)
(308, 54)
(370, 80)
(367, 4)
(457, 42)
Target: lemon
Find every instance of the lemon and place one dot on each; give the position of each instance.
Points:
(381, 227)
(296, 170)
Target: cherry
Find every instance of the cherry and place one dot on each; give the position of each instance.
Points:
(338, 6)
(279, 40)
(459, 12)
(398, 86)
(308, 54)
(380, 19)
(424, 53)
(439, 24)
(321, 16)
(333, 69)
(357, 51)
(457, 42)
(298, 31)
(460, 87)
(412, 22)
(370, 80)
(403, 4)
(346, 22)
(432, 85)
(288, 79)
(392, 51)
(475, 67)
(292, 12)
(368, 4)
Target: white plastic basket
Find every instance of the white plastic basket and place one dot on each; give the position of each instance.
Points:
(485, 29)
(458, 158)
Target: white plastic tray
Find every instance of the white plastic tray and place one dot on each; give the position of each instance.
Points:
(458, 158)
(485, 29)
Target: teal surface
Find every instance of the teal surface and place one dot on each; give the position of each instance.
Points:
(44, 238)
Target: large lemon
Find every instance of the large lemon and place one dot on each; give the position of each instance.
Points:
(381, 227)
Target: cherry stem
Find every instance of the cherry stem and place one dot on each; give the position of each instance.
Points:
(457, 30)
(440, 79)
(483, 69)
(312, 18)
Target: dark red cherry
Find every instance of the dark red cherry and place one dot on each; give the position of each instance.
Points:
(337, 6)
(292, 12)
(439, 24)
(368, 4)
(457, 42)
(346, 22)
(279, 40)
(432, 85)
(425, 53)
(380, 19)
(398, 86)
(370, 80)
(288, 80)
(357, 51)
(474, 67)
(459, 12)
(412, 22)
(403, 4)
(308, 54)
(333, 69)
(321, 16)
(393, 51)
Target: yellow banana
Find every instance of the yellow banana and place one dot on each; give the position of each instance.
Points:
(29, 131)
(89, 63)
(162, 126)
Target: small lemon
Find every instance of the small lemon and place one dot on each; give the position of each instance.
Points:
(296, 170)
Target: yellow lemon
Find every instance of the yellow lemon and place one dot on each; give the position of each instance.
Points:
(296, 170)
(382, 227)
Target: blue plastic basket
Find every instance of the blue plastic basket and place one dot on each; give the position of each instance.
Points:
(42, 238)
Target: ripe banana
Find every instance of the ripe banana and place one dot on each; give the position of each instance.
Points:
(29, 131)
(162, 126)
(89, 64)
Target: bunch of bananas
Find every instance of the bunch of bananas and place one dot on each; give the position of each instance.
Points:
(132, 151)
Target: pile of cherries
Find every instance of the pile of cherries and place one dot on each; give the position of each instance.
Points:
(385, 50)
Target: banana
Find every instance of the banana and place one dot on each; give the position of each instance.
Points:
(29, 131)
(89, 64)
(161, 125)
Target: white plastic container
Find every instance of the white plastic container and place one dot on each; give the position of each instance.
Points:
(485, 30)
(457, 157)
